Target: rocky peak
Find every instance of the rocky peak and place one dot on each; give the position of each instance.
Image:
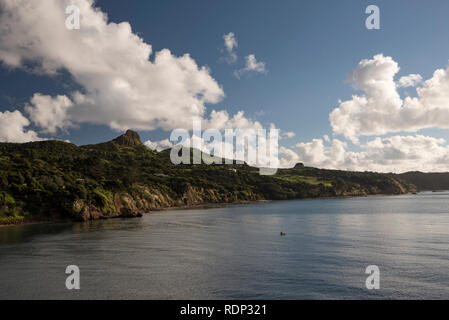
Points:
(129, 139)
(299, 165)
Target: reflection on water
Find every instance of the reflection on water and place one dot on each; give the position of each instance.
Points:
(237, 252)
(20, 234)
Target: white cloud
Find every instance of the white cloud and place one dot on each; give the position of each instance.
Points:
(158, 145)
(287, 158)
(122, 87)
(221, 120)
(381, 110)
(289, 134)
(317, 154)
(392, 154)
(409, 81)
(230, 43)
(49, 112)
(12, 128)
(404, 153)
(251, 66)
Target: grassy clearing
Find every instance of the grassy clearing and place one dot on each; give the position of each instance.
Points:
(304, 179)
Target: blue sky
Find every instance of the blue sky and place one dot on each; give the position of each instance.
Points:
(309, 48)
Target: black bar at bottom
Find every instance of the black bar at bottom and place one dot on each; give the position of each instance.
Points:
(231, 309)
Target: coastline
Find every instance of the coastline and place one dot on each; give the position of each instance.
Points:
(32, 221)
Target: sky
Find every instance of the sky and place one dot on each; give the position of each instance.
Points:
(342, 96)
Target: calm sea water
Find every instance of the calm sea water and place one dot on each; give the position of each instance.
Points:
(236, 252)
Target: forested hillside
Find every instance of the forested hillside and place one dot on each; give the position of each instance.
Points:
(51, 180)
(427, 181)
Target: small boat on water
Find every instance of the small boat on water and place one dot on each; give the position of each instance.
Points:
(283, 234)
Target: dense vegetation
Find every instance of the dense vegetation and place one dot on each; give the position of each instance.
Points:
(427, 181)
(59, 180)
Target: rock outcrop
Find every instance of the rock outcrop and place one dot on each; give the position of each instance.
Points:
(129, 139)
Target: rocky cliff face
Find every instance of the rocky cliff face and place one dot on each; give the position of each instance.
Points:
(145, 200)
(129, 139)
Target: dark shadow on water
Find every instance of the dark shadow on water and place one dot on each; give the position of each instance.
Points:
(26, 233)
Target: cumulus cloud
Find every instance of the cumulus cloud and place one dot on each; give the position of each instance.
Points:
(409, 81)
(124, 84)
(392, 154)
(12, 128)
(288, 158)
(230, 43)
(317, 154)
(49, 112)
(221, 120)
(380, 109)
(158, 145)
(251, 66)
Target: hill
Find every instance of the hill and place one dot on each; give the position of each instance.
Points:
(52, 180)
(427, 181)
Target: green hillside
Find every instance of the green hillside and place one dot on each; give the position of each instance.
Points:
(57, 180)
(427, 181)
